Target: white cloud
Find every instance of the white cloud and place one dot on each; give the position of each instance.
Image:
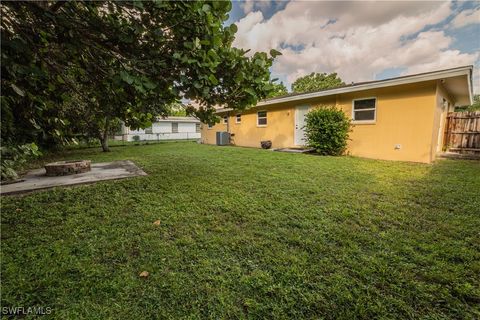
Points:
(466, 17)
(247, 6)
(355, 39)
(250, 5)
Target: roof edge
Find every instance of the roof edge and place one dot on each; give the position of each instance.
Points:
(433, 75)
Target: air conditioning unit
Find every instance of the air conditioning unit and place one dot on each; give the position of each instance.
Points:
(223, 138)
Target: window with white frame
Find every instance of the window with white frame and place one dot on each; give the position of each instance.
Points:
(149, 130)
(262, 118)
(210, 126)
(225, 119)
(197, 127)
(174, 127)
(238, 118)
(364, 109)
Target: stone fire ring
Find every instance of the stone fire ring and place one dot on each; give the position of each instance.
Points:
(63, 168)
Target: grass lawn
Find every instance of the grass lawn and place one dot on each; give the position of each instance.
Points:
(249, 233)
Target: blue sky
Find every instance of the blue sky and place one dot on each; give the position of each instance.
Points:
(360, 40)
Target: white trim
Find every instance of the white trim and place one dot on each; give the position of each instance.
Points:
(266, 118)
(380, 84)
(374, 113)
(470, 86)
(236, 118)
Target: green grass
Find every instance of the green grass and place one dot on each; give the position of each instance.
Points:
(249, 233)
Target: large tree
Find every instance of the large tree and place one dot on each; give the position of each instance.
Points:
(317, 81)
(80, 67)
(279, 89)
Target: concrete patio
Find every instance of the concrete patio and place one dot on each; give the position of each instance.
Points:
(37, 180)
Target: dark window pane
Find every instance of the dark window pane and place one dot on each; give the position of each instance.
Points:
(262, 114)
(262, 121)
(365, 115)
(364, 104)
(174, 127)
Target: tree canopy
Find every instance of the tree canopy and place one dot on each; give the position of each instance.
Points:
(78, 68)
(279, 89)
(316, 81)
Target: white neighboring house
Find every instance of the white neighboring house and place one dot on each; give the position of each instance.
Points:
(171, 128)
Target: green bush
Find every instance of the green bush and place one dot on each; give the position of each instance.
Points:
(14, 157)
(327, 129)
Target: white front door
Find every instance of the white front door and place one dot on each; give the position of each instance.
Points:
(300, 113)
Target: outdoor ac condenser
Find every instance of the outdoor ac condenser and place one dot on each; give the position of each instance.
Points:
(223, 138)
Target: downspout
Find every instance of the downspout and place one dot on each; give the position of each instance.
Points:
(470, 84)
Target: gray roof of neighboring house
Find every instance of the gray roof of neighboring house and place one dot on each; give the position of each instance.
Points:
(177, 119)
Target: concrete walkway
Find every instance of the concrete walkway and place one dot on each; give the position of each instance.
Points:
(296, 150)
(454, 155)
(37, 180)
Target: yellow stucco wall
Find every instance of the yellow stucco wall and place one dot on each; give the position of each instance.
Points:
(406, 115)
(279, 128)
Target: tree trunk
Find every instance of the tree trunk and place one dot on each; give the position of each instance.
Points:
(104, 142)
(104, 137)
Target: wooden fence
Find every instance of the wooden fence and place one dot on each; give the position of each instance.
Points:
(462, 132)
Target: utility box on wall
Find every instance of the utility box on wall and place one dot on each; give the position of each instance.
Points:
(223, 138)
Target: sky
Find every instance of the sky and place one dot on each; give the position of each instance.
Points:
(361, 40)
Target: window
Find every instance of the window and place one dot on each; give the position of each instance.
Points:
(197, 127)
(174, 127)
(364, 110)
(210, 126)
(261, 118)
(148, 130)
(225, 119)
(238, 118)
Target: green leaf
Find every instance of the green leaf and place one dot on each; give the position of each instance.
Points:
(196, 43)
(206, 8)
(274, 53)
(17, 90)
(149, 85)
(126, 77)
(213, 79)
(233, 28)
(60, 79)
(250, 91)
(138, 4)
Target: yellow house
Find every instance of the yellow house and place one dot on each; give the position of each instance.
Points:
(394, 119)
